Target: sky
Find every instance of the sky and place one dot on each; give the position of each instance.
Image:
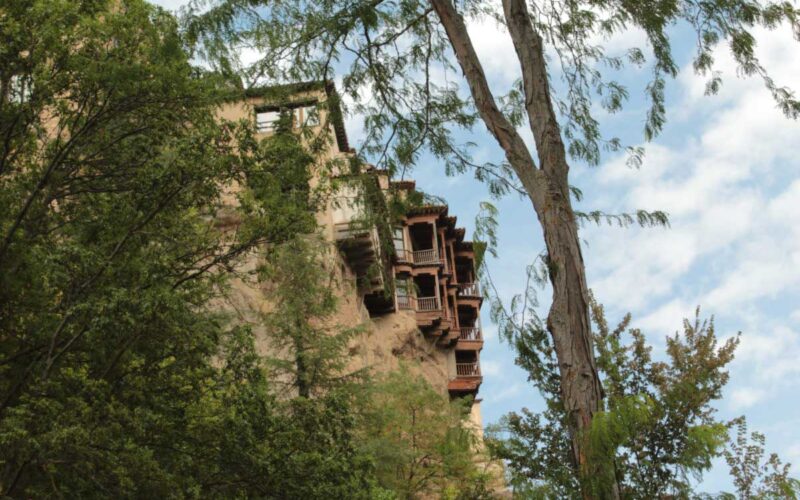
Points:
(726, 169)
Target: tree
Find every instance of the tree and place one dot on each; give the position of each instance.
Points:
(753, 476)
(112, 169)
(657, 429)
(308, 351)
(420, 440)
(389, 53)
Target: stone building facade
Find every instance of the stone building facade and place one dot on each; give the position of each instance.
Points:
(409, 279)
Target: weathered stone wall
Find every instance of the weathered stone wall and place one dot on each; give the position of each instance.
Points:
(382, 345)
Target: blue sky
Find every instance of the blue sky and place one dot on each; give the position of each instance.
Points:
(726, 169)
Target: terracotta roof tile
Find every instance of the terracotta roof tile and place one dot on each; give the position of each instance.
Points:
(428, 209)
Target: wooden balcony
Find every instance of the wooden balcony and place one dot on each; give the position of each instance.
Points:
(427, 257)
(468, 369)
(420, 304)
(468, 339)
(426, 304)
(361, 249)
(428, 310)
(469, 294)
(470, 334)
(468, 379)
(469, 290)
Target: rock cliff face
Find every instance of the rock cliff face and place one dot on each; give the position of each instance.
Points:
(383, 343)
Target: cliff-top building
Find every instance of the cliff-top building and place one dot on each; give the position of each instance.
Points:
(411, 274)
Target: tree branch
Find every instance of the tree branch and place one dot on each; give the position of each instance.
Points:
(504, 132)
(542, 118)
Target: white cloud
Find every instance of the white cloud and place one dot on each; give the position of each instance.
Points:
(491, 368)
(745, 397)
(727, 172)
(715, 188)
(792, 454)
(495, 51)
(666, 319)
(773, 352)
(510, 391)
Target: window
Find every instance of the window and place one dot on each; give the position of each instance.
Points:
(403, 288)
(399, 241)
(266, 121)
(310, 116)
(305, 116)
(403, 292)
(400, 245)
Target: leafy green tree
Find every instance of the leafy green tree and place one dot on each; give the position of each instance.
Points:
(310, 349)
(118, 378)
(390, 53)
(420, 440)
(657, 430)
(679, 434)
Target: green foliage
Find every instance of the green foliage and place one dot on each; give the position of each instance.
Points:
(485, 233)
(117, 378)
(383, 215)
(310, 350)
(390, 53)
(753, 476)
(611, 430)
(658, 429)
(537, 453)
(642, 218)
(420, 441)
(682, 435)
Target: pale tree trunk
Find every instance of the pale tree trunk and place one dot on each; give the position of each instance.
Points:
(548, 188)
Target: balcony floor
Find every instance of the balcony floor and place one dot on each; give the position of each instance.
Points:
(461, 385)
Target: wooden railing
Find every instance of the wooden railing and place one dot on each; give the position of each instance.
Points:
(426, 256)
(469, 290)
(469, 333)
(404, 302)
(468, 369)
(404, 255)
(427, 303)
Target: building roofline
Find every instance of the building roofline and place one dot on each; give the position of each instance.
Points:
(283, 92)
(408, 185)
(428, 209)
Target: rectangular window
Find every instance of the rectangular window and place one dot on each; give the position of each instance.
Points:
(403, 290)
(305, 116)
(399, 241)
(310, 116)
(266, 121)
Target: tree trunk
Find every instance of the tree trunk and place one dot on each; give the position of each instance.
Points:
(302, 379)
(548, 188)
